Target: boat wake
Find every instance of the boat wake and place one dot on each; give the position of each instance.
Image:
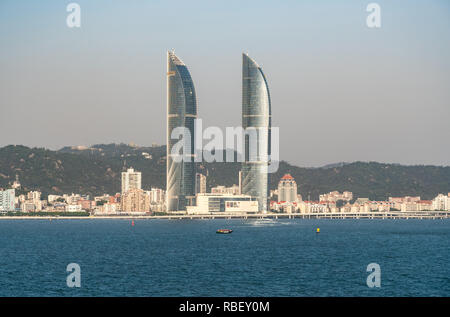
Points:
(265, 222)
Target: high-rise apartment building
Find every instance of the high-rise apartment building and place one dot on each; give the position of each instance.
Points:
(7, 200)
(135, 200)
(131, 179)
(157, 196)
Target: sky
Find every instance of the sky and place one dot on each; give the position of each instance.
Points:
(340, 91)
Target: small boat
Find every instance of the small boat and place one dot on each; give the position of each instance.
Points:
(224, 231)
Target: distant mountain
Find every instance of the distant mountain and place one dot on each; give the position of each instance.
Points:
(96, 170)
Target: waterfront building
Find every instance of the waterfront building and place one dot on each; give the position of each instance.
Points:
(425, 205)
(380, 205)
(28, 206)
(131, 179)
(57, 206)
(200, 183)
(74, 208)
(256, 116)
(181, 113)
(34, 195)
(111, 207)
(406, 199)
(441, 202)
(86, 204)
(135, 200)
(335, 196)
(108, 208)
(284, 207)
(398, 201)
(7, 200)
(157, 196)
(32, 202)
(72, 199)
(223, 203)
(287, 189)
(312, 207)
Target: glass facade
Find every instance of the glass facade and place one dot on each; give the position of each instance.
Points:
(181, 112)
(256, 114)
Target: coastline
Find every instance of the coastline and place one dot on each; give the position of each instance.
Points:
(373, 215)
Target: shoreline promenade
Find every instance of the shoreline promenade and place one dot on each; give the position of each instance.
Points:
(372, 215)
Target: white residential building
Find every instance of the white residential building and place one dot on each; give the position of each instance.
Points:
(335, 196)
(7, 200)
(157, 196)
(131, 179)
(441, 202)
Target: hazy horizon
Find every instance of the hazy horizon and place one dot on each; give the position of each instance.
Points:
(341, 92)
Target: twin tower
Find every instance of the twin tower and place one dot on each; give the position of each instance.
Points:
(182, 112)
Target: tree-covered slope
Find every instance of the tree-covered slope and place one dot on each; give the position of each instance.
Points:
(96, 170)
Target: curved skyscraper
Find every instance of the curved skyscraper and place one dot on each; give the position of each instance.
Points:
(256, 115)
(181, 113)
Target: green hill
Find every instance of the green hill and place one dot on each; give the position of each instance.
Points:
(96, 170)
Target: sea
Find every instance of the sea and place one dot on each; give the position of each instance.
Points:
(149, 257)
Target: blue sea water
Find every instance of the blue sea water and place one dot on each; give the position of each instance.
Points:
(187, 257)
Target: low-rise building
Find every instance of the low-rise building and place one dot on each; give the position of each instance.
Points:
(335, 196)
(223, 203)
(233, 190)
(284, 207)
(74, 208)
(425, 205)
(86, 204)
(312, 207)
(110, 208)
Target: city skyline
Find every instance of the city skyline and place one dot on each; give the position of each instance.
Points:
(373, 95)
(224, 156)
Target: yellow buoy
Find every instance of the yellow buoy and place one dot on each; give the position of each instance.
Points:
(318, 230)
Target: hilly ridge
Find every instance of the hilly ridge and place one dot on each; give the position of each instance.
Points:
(96, 170)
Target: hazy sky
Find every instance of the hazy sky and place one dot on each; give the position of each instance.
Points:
(340, 90)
